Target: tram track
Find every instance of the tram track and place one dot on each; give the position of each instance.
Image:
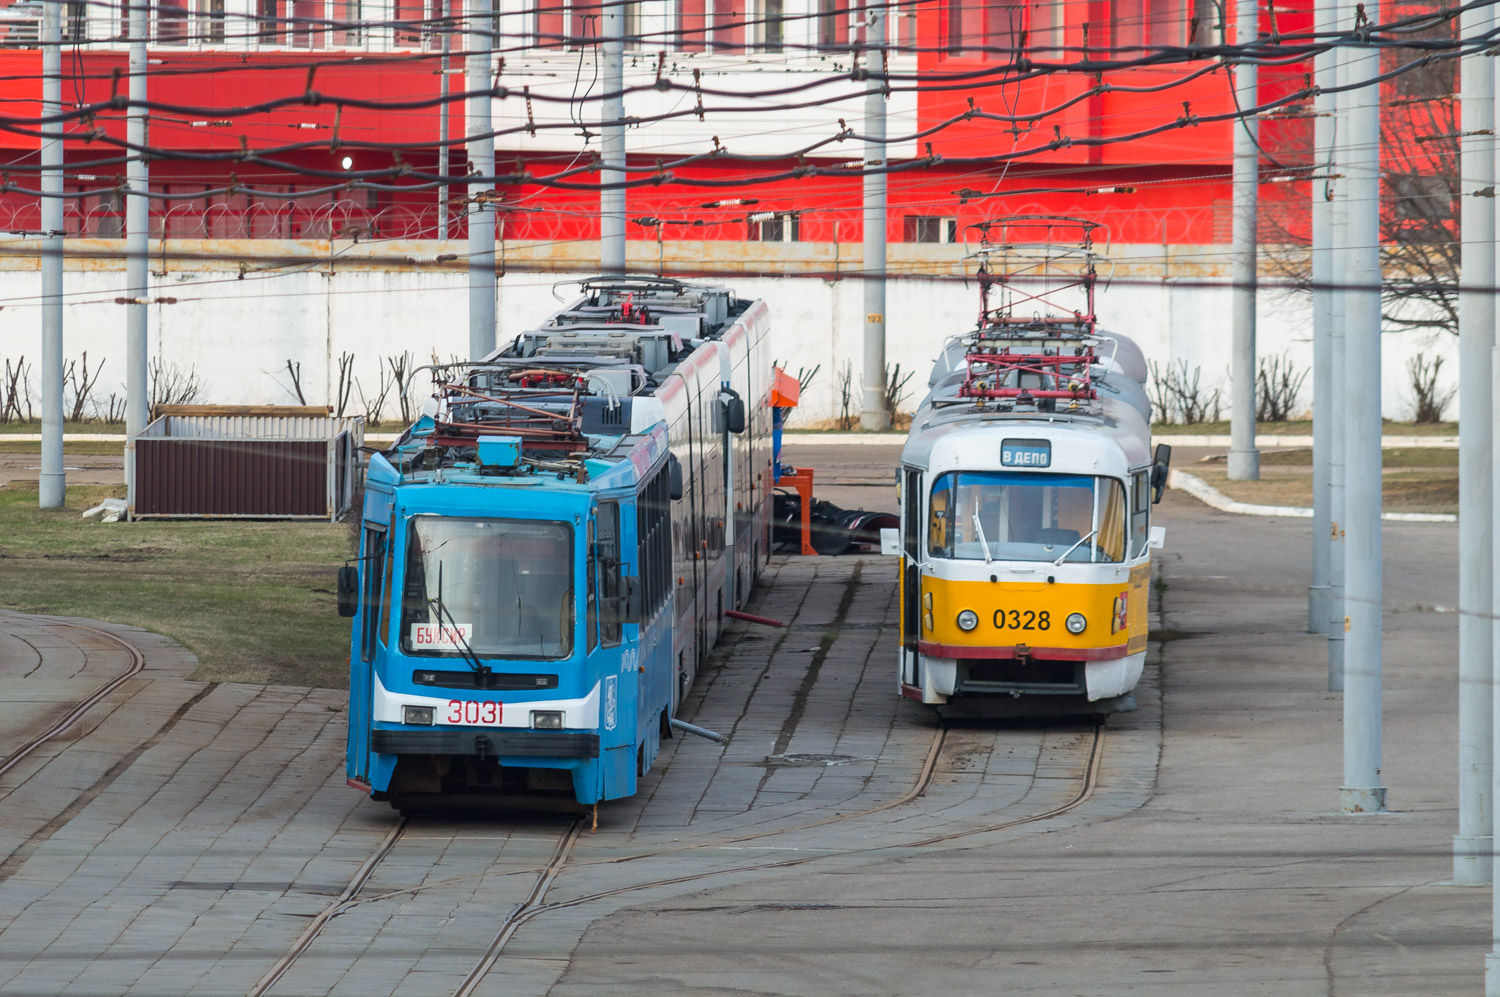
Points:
(533, 903)
(1088, 784)
(82, 707)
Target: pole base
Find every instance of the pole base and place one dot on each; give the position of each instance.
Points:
(1472, 859)
(875, 421)
(1317, 608)
(1492, 974)
(1336, 662)
(51, 489)
(1244, 465)
(1362, 799)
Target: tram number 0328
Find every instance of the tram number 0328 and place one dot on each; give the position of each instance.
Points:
(1028, 619)
(468, 711)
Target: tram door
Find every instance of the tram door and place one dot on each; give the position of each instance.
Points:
(911, 581)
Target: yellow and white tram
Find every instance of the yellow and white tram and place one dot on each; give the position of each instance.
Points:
(1026, 489)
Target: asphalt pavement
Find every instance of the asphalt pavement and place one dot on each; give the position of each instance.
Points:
(180, 837)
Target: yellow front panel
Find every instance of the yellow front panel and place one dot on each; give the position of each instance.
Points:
(1033, 613)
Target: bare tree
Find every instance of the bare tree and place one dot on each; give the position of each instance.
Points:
(15, 392)
(294, 370)
(346, 383)
(170, 385)
(1419, 237)
(81, 382)
(401, 374)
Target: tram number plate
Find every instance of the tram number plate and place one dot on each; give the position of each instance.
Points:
(1025, 619)
(468, 713)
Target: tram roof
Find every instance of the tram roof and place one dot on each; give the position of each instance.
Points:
(1079, 441)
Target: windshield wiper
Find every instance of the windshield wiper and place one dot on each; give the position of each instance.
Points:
(1076, 543)
(979, 528)
(460, 640)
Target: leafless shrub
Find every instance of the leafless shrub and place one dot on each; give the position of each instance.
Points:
(346, 384)
(81, 382)
(112, 410)
(1430, 402)
(373, 403)
(895, 388)
(846, 395)
(294, 371)
(170, 385)
(1177, 396)
(401, 375)
(15, 392)
(1276, 388)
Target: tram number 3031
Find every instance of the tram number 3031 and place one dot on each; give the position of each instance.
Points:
(469, 712)
(1022, 620)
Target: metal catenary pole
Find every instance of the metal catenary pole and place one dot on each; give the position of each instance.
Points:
(1336, 379)
(1244, 459)
(52, 484)
(137, 245)
(1492, 958)
(1324, 76)
(1361, 791)
(874, 414)
(612, 199)
(1476, 337)
(444, 193)
(481, 146)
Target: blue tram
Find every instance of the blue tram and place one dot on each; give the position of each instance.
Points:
(548, 553)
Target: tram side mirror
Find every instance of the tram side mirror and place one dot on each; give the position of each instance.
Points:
(348, 591)
(734, 414)
(1161, 464)
(890, 541)
(674, 477)
(1158, 538)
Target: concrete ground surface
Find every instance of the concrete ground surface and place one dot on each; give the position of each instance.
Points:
(180, 837)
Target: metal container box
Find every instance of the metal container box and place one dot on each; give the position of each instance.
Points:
(222, 462)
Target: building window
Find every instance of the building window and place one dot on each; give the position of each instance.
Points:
(171, 22)
(778, 227)
(210, 23)
(771, 29)
(833, 25)
(728, 25)
(1044, 36)
(268, 13)
(75, 25)
(994, 30)
(929, 228)
(1141, 25)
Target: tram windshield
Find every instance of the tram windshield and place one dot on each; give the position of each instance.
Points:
(1026, 517)
(499, 588)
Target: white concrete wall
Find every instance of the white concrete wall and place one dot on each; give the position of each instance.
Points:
(237, 334)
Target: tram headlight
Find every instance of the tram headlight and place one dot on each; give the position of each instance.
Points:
(417, 715)
(968, 620)
(546, 720)
(1076, 623)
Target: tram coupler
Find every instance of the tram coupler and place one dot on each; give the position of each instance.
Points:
(764, 621)
(700, 731)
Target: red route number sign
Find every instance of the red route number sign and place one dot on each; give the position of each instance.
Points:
(470, 713)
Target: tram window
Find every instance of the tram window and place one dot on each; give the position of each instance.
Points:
(613, 586)
(1140, 513)
(938, 516)
(912, 495)
(374, 566)
(591, 600)
(1026, 517)
(385, 600)
(653, 537)
(1111, 518)
(494, 588)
